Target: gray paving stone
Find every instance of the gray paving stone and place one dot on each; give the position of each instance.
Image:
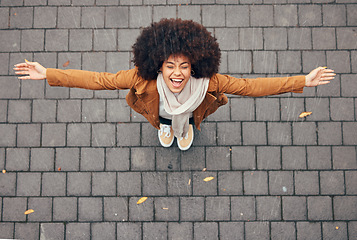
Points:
(285, 15)
(79, 184)
(69, 17)
(242, 109)
(227, 38)
(279, 133)
(42, 207)
(154, 184)
(92, 159)
(231, 230)
(142, 159)
(345, 38)
(268, 157)
(34, 2)
(69, 111)
(334, 230)
(319, 208)
(268, 208)
(103, 134)
(344, 157)
(153, 230)
(160, 12)
(217, 11)
(19, 111)
(207, 136)
(308, 230)
(351, 12)
(45, 17)
(339, 109)
(78, 134)
(83, 2)
(257, 230)
(13, 209)
(50, 58)
(264, 62)
(344, 207)
(217, 208)
(306, 183)
(129, 230)
(332, 183)
(349, 133)
(189, 12)
(4, 58)
(17, 159)
(56, 40)
(53, 184)
(176, 230)
(4, 17)
(149, 135)
(323, 38)
(294, 208)
(283, 230)
(103, 184)
(105, 40)
(289, 62)
(319, 157)
(237, 16)
(10, 40)
(329, 133)
(319, 108)
(28, 135)
(254, 133)
(310, 15)
(261, 15)
(167, 159)
(350, 178)
(192, 209)
(59, 2)
(2, 158)
(124, 130)
(299, 38)
(117, 61)
(93, 17)
(80, 93)
(335, 59)
(129, 183)
(313, 59)
(117, 111)
(8, 184)
(128, 37)
(28, 184)
(251, 38)
(32, 40)
(229, 133)
(42, 159)
(347, 87)
(27, 230)
(275, 39)
(281, 183)
(230, 183)
(115, 209)
(53, 135)
(141, 212)
(205, 230)
(244, 57)
(293, 158)
(167, 209)
(304, 133)
(201, 187)
(80, 40)
(145, 16)
(80, 231)
(255, 183)
(43, 110)
(178, 183)
(334, 15)
(21, 17)
(56, 92)
(8, 133)
(64, 209)
(352, 229)
(93, 110)
(193, 159)
(102, 230)
(90, 209)
(117, 159)
(52, 231)
(7, 230)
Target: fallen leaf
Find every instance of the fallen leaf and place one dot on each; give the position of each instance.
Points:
(15, 14)
(26, 60)
(204, 170)
(65, 64)
(165, 208)
(59, 169)
(189, 181)
(337, 228)
(141, 200)
(304, 114)
(4, 171)
(29, 211)
(207, 179)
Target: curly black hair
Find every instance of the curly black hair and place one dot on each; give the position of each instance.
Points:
(176, 36)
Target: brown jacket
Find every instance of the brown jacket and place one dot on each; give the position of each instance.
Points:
(143, 96)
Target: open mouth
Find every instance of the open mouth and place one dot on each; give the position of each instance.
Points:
(176, 82)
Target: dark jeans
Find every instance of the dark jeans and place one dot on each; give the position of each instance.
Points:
(168, 121)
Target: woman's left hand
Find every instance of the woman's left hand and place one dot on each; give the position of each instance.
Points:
(319, 76)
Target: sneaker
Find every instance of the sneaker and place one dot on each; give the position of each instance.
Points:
(166, 135)
(184, 143)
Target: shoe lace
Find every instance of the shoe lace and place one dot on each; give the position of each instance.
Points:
(186, 136)
(165, 129)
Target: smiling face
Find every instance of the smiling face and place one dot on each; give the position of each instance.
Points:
(176, 71)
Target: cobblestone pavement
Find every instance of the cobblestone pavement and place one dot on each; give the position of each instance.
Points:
(82, 159)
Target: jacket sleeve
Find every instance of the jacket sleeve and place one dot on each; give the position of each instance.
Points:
(91, 80)
(259, 86)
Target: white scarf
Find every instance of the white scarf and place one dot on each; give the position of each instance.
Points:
(185, 103)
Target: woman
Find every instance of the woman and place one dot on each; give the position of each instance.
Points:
(175, 83)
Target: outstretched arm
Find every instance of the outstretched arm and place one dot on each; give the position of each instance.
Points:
(30, 70)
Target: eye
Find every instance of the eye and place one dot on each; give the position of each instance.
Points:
(170, 67)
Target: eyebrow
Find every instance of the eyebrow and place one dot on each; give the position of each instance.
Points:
(174, 63)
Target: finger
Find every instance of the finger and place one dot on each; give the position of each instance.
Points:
(21, 65)
(22, 73)
(327, 78)
(24, 77)
(328, 74)
(323, 82)
(21, 69)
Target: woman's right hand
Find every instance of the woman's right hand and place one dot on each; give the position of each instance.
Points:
(30, 70)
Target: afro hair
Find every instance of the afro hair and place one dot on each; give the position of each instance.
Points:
(173, 37)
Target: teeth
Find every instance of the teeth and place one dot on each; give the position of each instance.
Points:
(176, 80)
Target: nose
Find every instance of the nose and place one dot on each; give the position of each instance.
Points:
(177, 72)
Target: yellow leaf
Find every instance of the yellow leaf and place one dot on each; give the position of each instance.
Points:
(165, 208)
(4, 171)
(304, 114)
(26, 60)
(141, 200)
(189, 181)
(66, 64)
(337, 228)
(207, 179)
(29, 211)
(204, 170)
